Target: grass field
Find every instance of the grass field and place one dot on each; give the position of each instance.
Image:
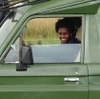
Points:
(41, 30)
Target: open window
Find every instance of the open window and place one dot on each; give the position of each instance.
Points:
(45, 44)
(40, 43)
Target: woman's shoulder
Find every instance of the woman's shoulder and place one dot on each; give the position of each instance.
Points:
(73, 41)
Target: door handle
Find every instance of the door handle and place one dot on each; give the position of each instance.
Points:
(71, 79)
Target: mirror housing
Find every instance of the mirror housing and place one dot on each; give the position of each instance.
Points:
(25, 58)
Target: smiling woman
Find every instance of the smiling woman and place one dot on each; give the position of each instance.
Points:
(66, 29)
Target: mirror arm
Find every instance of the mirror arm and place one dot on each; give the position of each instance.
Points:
(20, 66)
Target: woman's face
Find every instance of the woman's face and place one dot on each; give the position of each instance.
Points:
(64, 34)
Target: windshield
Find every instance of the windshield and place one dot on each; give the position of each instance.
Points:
(8, 25)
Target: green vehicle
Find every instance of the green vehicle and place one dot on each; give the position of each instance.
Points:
(33, 62)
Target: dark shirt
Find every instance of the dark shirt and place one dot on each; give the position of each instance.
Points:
(73, 41)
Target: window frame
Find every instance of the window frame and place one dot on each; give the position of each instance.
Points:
(59, 16)
(82, 55)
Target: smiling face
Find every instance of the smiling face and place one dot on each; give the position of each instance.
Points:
(64, 34)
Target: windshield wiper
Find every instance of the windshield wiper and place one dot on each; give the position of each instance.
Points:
(12, 4)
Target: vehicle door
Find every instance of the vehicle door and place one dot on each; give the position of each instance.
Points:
(57, 72)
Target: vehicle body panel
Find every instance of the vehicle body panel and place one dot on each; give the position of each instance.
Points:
(44, 81)
(94, 80)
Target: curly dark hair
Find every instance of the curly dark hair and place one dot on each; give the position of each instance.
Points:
(66, 24)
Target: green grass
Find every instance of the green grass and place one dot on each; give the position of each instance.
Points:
(44, 41)
(41, 29)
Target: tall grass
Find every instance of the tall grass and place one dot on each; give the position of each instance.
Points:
(41, 29)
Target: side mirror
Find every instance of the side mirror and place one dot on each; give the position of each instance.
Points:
(25, 58)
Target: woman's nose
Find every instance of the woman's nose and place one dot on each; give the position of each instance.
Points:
(62, 35)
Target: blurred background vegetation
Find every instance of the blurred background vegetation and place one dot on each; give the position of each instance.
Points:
(41, 31)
